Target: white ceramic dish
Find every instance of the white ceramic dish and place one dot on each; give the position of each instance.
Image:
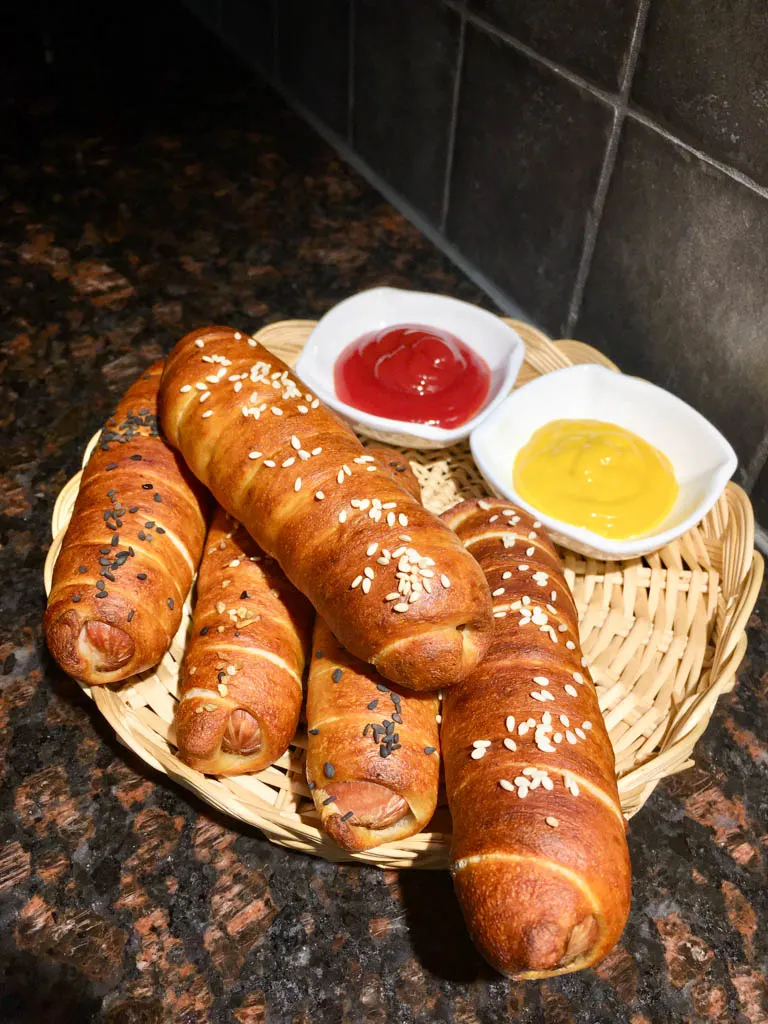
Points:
(702, 459)
(500, 346)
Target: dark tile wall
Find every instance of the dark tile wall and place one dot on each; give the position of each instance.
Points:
(602, 164)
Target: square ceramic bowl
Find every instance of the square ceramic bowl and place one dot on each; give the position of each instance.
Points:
(701, 457)
(500, 346)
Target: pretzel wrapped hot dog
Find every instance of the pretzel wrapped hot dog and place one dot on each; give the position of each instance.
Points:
(305, 489)
(131, 548)
(242, 675)
(372, 748)
(539, 857)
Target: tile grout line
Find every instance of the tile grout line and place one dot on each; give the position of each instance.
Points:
(726, 169)
(595, 214)
(609, 98)
(351, 74)
(452, 125)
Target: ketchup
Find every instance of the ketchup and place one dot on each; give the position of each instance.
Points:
(413, 373)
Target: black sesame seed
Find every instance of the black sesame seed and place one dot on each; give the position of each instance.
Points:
(382, 687)
(395, 697)
(118, 523)
(136, 458)
(105, 551)
(75, 598)
(311, 786)
(115, 540)
(150, 523)
(133, 508)
(108, 575)
(328, 770)
(105, 561)
(120, 558)
(101, 593)
(347, 816)
(367, 729)
(100, 584)
(244, 596)
(204, 630)
(157, 497)
(388, 726)
(82, 568)
(142, 535)
(372, 705)
(159, 530)
(107, 515)
(337, 674)
(146, 487)
(329, 800)
(399, 469)
(131, 613)
(112, 493)
(237, 632)
(131, 552)
(378, 731)
(395, 746)
(314, 732)
(170, 603)
(112, 465)
(222, 675)
(395, 738)
(397, 718)
(429, 750)
(141, 575)
(318, 654)
(383, 750)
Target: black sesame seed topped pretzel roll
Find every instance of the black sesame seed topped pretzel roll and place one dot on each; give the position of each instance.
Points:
(539, 856)
(243, 667)
(131, 548)
(372, 747)
(306, 490)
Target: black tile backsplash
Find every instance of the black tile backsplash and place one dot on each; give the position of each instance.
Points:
(703, 70)
(313, 55)
(248, 26)
(590, 37)
(528, 152)
(677, 290)
(601, 164)
(406, 57)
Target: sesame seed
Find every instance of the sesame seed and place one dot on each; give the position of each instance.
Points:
(205, 396)
(498, 592)
(402, 607)
(254, 455)
(438, 719)
(141, 575)
(200, 343)
(343, 516)
(319, 495)
(170, 603)
(529, 551)
(208, 413)
(570, 645)
(523, 728)
(507, 785)
(368, 571)
(295, 442)
(394, 596)
(372, 549)
(541, 680)
(297, 484)
(506, 575)
(220, 607)
(238, 386)
(402, 519)
(481, 743)
(499, 615)
(277, 411)
(578, 677)
(185, 388)
(429, 750)
(552, 822)
(580, 733)
(477, 753)
(493, 519)
(586, 725)
(571, 690)
(553, 596)
(355, 582)
(483, 505)
(269, 463)
(286, 463)
(366, 586)
(536, 524)
(570, 736)
(523, 568)
(302, 409)
(328, 770)
(509, 743)
(445, 581)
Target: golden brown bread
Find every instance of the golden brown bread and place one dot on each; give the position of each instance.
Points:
(130, 551)
(385, 788)
(244, 663)
(372, 749)
(539, 857)
(397, 466)
(305, 489)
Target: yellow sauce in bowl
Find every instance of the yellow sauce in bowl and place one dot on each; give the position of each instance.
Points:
(596, 475)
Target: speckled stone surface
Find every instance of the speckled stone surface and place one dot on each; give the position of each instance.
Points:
(129, 217)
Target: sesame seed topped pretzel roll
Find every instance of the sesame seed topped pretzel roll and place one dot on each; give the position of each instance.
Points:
(539, 857)
(372, 749)
(372, 759)
(392, 582)
(242, 675)
(131, 548)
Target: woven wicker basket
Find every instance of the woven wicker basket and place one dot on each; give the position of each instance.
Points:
(663, 635)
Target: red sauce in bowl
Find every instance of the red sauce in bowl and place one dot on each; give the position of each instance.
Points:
(413, 373)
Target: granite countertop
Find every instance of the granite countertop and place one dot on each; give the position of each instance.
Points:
(137, 206)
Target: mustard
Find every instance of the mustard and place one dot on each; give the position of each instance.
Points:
(596, 475)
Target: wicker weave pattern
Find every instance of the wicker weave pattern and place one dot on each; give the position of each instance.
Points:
(663, 636)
